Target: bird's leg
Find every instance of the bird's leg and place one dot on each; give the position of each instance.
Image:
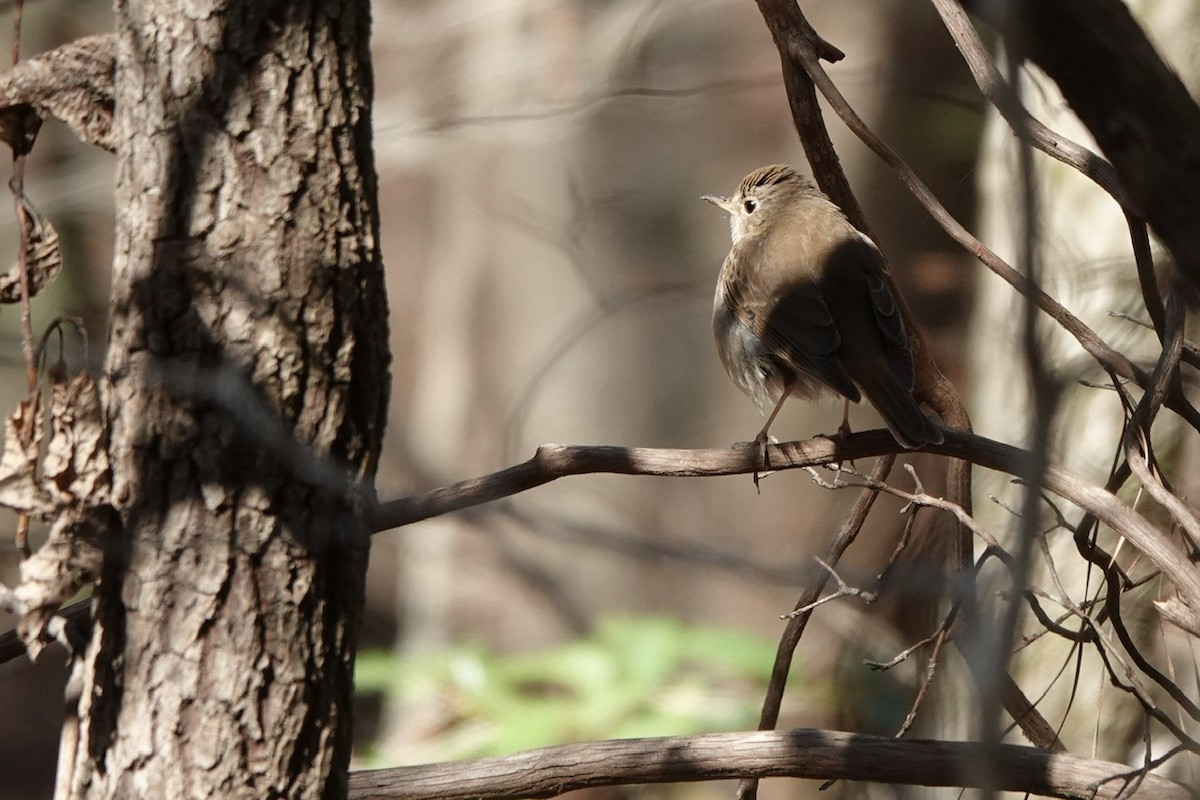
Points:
(839, 438)
(844, 432)
(764, 438)
(844, 429)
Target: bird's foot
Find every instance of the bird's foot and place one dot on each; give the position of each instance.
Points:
(759, 445)
(839, 439)
(761, 441)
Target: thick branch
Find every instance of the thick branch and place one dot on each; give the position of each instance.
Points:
(805, 753)
(553, 461)
(992, 85)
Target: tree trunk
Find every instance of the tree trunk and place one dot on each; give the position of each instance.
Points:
(246, 392)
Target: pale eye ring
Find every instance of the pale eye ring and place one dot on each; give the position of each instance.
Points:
(750, 205)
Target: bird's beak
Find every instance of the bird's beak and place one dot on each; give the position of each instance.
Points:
(717, 200)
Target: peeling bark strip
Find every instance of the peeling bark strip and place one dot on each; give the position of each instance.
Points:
(73, 83)
(248, 325)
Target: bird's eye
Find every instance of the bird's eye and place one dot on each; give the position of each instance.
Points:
(750, 205)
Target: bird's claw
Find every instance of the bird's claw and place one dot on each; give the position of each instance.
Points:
(761, 441)
(839, 439)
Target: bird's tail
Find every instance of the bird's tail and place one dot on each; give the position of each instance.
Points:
(911, 426)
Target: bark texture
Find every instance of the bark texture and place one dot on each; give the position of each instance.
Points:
(246, 391)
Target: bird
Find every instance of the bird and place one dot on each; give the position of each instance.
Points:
(802, 308)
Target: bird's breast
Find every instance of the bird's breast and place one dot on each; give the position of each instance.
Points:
(746, 358)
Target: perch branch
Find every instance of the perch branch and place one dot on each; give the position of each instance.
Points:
(554, 461)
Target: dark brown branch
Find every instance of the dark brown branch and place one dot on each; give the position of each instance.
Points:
(554, 461)
(781, 19)
(993, 86)
(805, 753)
(1110, 359)
(1143, 257)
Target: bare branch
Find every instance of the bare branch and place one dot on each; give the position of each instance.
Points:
(804, 753)
(844, 590)
(926, 680)
(918, 498)
(553, 461)
(793, 34)
(993, 86)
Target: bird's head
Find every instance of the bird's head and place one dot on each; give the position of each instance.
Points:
(760, 198)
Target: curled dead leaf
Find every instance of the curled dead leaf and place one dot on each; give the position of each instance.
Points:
(75, 469)
(69, 560)
(19, 126)
(73, 83)
(43, 257)
(24, 430)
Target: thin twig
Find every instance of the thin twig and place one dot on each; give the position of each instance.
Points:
(904, 654)
(939, 641)
(17, 185)
(917, 498)
(844, 590)
(1191, 351)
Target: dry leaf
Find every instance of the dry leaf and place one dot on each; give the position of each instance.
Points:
(23, 432)
(19, 126)
(73, 83)
(69, 560)
(75, 469)
(43, 257)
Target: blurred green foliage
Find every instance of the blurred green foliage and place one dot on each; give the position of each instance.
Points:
(632, 677)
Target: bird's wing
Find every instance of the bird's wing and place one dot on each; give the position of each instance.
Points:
(887, 315)
(876, 355)
(794, 322)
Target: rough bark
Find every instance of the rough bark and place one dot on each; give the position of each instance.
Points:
(246, 384)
